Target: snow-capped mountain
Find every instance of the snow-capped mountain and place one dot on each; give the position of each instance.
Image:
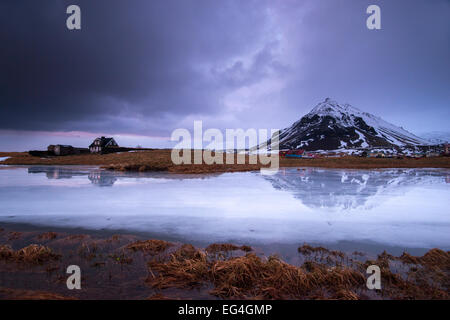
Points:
(331, 126)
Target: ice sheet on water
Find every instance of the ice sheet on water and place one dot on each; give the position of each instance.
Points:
(407, 207)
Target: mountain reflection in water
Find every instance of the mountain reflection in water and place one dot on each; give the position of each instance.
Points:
(347, 189)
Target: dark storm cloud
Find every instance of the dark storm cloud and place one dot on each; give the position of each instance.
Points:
(400, 73)
(138, 59)
(148, 67)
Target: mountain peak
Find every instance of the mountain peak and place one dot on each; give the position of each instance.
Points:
(332, 126)
(332, 108)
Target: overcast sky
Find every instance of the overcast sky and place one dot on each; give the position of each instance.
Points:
(139, 69)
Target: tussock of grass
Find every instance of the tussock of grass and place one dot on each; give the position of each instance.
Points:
(436, 257)
(187, 268)
(33, 254)
(47, 236)
(426, 277)
(36, 254)
(409, 259)
(307, 249)
(247, 277)
(76, 237)
(151, 247)
(328, 277)
(188, 252)
(345, 295)
(6, 252)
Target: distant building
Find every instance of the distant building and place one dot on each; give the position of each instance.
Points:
(103, 145)
(62, 150)
(377, 154)
(447, 148)
(295, 153)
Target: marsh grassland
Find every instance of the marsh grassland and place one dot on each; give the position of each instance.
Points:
(32, 266)
(160, 160)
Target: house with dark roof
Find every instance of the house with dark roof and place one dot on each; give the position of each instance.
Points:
(103, 145)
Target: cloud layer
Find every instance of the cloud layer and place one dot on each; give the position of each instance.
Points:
(148, 67)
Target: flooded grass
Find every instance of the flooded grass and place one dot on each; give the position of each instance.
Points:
(157, 269)
(152, 247)
(32, 254)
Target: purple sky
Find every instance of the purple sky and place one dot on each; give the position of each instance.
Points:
(140, 69)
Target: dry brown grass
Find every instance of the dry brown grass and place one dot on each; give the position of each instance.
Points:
(13, 154)
(426, 277)
(175, 269)
(250, 277)
(150, 158)
(36, 254)
(436, 257)
(253, 277)
(151, 247)
(47, 236)
(160, 160)
(6, 252)
(32, 254)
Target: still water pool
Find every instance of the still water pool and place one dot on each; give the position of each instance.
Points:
(404, 208)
